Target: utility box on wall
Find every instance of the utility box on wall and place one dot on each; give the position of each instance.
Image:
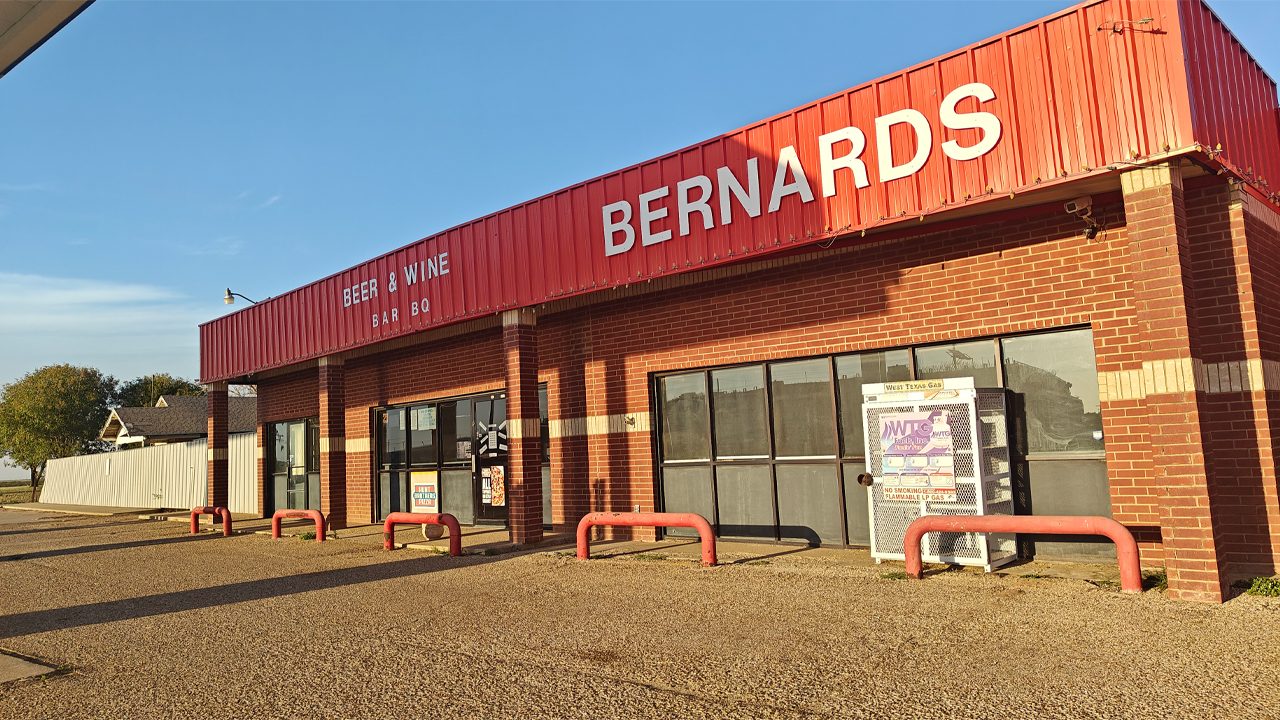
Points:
(938, 447)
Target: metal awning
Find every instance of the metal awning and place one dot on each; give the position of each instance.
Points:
(26, 24)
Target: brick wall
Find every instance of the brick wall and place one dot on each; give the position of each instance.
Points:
(1028, 271)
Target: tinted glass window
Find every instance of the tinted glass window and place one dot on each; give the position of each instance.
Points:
(803, 424)
(422, 434)
(393, 434)
(739, 400)
(281, 449)
(971, 359)
(297, 447)
(313, 445)
(455, 431)
(544, 426)
(685, 427)
(851, 372)
(1057, 378)
(491, 426)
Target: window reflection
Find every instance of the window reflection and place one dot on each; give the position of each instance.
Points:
(739, 412)
(685, 431)
(852, 371)
(803, 425)
(971, 359)
(1057, 378)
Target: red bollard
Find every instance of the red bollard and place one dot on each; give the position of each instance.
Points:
(313, 514)
(689, 520)
(225, 513)
(1126, 547)
(407, 518)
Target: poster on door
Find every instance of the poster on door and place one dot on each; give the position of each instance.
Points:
(424, 492)
(917, 456)
(498, 478)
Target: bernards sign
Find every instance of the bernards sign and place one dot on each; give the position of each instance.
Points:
(840, 150)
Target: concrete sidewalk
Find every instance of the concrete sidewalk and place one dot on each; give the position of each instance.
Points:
(78, 509)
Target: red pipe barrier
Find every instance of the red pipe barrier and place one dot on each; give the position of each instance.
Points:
(1126, 547)
(198, 511)
(689, 520)
(313, 514)
(408, 518)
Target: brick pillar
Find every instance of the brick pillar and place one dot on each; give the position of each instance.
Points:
(333, 434)
(524, 462)
(1170, 354)
(218, 478)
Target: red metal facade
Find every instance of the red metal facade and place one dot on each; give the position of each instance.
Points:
(1088, 91)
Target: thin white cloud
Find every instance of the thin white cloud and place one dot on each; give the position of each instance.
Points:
(270, 201)
(126, 329)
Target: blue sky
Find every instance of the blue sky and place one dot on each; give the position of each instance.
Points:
(152, 154)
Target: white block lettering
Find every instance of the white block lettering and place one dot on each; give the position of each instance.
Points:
(648, 215)
(684, 206)
(411, 274)
(884, 143)
(375, 319)
(395, 315)
(829, 164)
(729, 185)
(624, 225)
(373, 288)
(346, 297)
(433, 270)
(364, 291)
(787, 159)
(985, 121)
(444, 263)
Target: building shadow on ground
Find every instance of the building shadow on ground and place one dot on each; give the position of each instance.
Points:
(37, 621)
(44, 554)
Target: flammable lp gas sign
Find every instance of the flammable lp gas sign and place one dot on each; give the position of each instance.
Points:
(917, 456)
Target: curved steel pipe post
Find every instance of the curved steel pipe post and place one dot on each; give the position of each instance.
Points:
(304, 514)
(689, 520)
(196, 512)
(1126, 547)
(407, 518)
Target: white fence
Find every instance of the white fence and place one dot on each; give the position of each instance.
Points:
(164, 476)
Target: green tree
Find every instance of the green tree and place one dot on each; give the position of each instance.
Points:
(146, 390)
(53, 412)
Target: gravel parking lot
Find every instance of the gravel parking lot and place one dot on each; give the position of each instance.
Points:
(150, 622)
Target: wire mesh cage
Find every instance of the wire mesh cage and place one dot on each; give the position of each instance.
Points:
(938, 447)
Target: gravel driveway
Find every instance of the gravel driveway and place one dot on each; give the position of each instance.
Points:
(157, 623)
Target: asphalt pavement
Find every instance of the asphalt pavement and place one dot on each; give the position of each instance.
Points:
(145, 620)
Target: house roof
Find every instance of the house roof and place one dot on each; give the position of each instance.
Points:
(179, 416)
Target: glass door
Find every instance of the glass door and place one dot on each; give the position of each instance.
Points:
(295, 463)
(489, 463)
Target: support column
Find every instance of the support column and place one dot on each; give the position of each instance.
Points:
(218, 485)
(1164, 294)
(524, 468)
(333, 441)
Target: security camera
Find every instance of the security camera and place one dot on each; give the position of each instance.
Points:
(1080, 206)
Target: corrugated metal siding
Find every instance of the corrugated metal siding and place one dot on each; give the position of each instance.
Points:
(1233, 101)
(164, 476)
(1071, 94)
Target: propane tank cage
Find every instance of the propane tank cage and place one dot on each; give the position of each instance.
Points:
(938, 447)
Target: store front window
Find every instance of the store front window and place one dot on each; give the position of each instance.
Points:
(773, 450)
(295, 465)
(448, 456)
